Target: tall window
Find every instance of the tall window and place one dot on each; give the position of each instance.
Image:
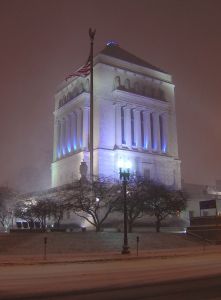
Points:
(152, 131)
(142, 129)
(132, 127)
(122, 126)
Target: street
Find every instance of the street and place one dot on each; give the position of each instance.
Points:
(190, 277)
(207, 288)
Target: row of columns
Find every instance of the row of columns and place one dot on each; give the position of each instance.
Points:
(150, 130)
(72, 132)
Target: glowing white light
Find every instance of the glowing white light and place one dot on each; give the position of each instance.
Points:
(97, 199)
(124, 164)
(120, 163)
(128, 164)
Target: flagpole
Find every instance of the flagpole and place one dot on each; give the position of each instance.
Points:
(91, 35)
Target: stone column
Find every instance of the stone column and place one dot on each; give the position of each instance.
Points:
(118, 136)
(127, 126)
(149, 137)
(57, 132)
(85, 128)
(62, 138)
(79, 128)
(137, 128)
(156, 124)
(146, 129)
(73, 131)
(165, 132)
(68, 134)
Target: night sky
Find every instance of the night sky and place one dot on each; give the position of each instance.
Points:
(42, 41)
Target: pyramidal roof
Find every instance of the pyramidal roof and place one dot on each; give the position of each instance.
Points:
(114, 50)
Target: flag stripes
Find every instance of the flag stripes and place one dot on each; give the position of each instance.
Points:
(82, 72)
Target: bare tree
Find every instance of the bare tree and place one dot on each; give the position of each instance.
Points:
(7, 202)
(24, 210)
(42, 210)
(57, 210)
(136, 188)
(94, 201)
(162, 201)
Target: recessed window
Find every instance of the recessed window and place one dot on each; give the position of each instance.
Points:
(142, 129)
(132, 128)
(122, 126)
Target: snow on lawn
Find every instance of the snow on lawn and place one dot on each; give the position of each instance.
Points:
(88, 242)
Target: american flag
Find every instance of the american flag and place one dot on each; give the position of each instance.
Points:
(82, 72)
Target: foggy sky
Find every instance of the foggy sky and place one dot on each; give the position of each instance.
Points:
(44, 40)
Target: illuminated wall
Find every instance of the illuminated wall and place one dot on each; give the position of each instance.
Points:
(134, 119)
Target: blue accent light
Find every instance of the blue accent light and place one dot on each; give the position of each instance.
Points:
(164, 148)
(146, 143)
(112, 43)
(63, 151)
(69, 147)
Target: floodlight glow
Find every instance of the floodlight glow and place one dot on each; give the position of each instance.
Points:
(120, 163)
(124, 164)
(127, 164)
(97, 199)
(69, 148)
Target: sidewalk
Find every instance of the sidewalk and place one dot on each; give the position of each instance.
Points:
(7, 260)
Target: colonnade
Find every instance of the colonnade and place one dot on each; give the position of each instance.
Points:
(72, 132)
(135, 128)
(141, 128)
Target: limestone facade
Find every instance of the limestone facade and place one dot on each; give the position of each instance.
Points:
(134, 120)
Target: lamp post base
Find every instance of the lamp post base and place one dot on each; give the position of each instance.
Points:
(125, 250)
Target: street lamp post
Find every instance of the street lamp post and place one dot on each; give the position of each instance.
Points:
(124, 176)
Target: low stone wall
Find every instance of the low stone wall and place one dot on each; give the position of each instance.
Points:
(208, 220)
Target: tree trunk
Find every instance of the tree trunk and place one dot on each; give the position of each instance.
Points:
(130, 227)
(98, 228)
(158, 225)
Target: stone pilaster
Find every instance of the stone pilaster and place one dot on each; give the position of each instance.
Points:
(137, 128)
(79, 128)
(57, 132)
(62, 138)
(127, 126)
(146, 129)
(157, 132)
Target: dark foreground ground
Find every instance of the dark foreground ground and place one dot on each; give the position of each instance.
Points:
(89, 242)
(193, 277)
